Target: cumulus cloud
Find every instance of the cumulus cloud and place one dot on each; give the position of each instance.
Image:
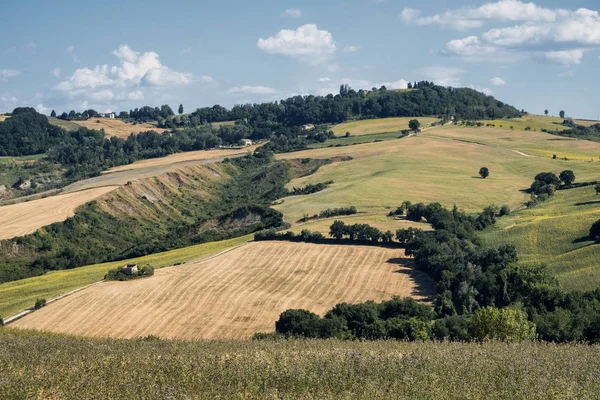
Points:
(324, 79)
(555, 35)
(292, 13)
(308, 44)
(252, 90)
(409, 15)
(443, 76)
(134, 69)
(399, 84)
(483, 90)
(497, 81)
(6, 74)
(56, 72)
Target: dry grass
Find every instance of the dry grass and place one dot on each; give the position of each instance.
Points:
(183, 157)
(380, 125)
(23, 218)
(117, 127)
(233, 295)
(3, 117)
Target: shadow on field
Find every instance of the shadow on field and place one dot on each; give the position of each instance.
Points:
(588, 203)
(583, 239)
(425, 286)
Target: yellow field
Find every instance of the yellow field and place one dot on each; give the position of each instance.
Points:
(381, 125)
(219, 124)
(234, 295)
(19, 295)
(117, 127)
(3, 117)
(183, 157)
(66, 125)
(23, 218)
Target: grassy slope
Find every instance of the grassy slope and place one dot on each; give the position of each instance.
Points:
(555, 233)
(67, 125)
(37, 365)
(379, 221)
(380, 125)
(535, 122)
(19, 295)
(425, 168)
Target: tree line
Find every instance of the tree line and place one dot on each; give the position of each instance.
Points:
(472, 279)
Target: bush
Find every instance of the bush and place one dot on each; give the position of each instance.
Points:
(504, 210)
(39, 303)
(484, 172)
(567, 177)
(1, 322)
(595, 231)
(506, 324)
(118, 275)
(597, 189)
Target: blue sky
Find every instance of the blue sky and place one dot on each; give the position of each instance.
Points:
(113, 56)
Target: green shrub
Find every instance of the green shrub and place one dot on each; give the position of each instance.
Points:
(39, 303)
(504, 210)
(506, 324)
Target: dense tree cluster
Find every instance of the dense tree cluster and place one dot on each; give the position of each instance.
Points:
(76, 116)
(581, 132)
(148, 114)
(26, 132)
(118, 275)
(462, 103)
(330, 212)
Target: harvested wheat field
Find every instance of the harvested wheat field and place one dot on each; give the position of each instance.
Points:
(186, 157)
(24, 218)
(117, 127)
(234, 295)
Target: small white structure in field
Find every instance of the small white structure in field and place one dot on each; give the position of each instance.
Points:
(246, 142)
(308, 127)
(130, 269)
(107, 115)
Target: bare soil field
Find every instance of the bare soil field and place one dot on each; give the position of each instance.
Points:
(234, 295)
(118, 128)
(23, 218)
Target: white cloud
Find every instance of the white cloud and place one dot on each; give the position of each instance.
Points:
(324, 79)
(308, 44)
(71, 52)
(399, 84)
(497, 81)
(6, 74)
(443, 76)
(351, 49)
(206, 79)
(8, 102)
(332, 67)
(135, 69)
(56, 72)
(293, 13)
(554, 35)
(469, 17)
(135, 95)
(483, 90)
(564, 57)
(102, 95)
(252, 90)
(42, 109)
(409, 15)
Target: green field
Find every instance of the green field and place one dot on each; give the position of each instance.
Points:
(535, 122)
(22, 159)
(380, 221)
(19, 295)
(340, 141)
(381, 125)
(555, 233)
(47, 366)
